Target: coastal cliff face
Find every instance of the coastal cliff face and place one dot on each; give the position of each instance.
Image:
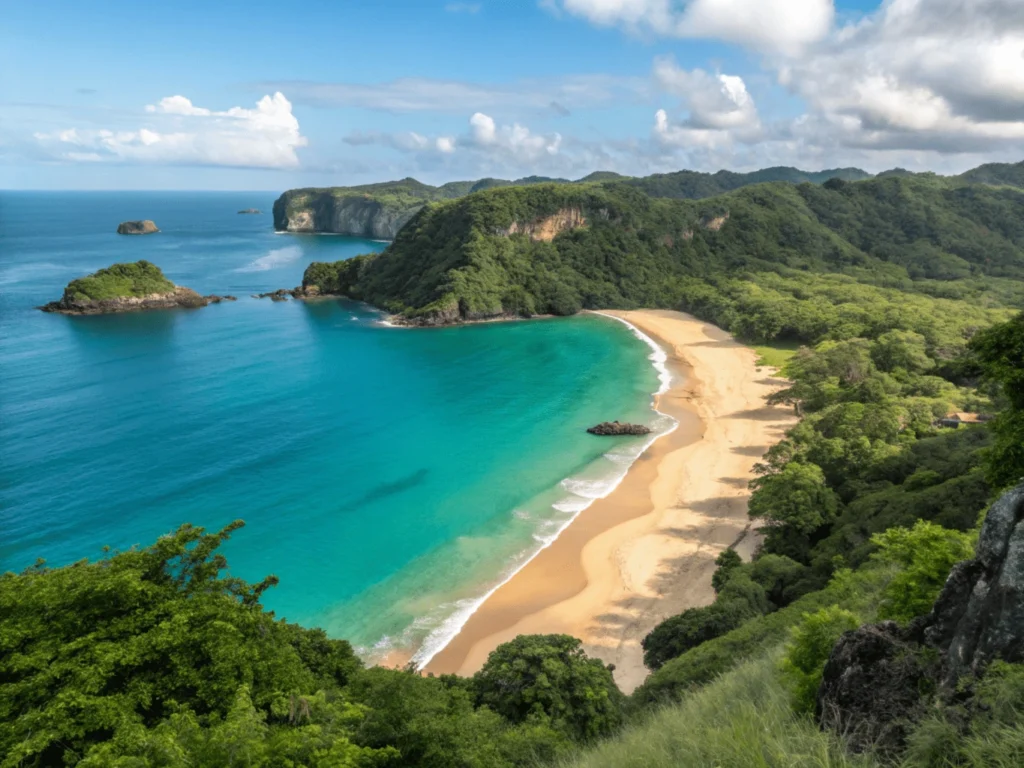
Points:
(357, 216)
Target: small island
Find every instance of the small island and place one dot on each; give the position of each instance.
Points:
(144, 227)
(250, 210)
(615, 428)
(127, 288)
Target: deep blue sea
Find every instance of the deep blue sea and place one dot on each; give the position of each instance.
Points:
(390, 477)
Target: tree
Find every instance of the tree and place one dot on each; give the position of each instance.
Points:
(1000, 351)
(811, 645)
(797, 498)
(727, 561)
(550, 675)
(925, 555)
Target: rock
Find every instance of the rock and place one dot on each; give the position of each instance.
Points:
(615, 428)
(145, 227)
(214, 299)
(179, 298)
(282, 294)
(979, 616)
(871, 687)
(877, 676)
(250, 210)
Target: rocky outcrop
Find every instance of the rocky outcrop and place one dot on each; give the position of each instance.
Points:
(546, 228)
(354, 215)
(214, 299)
(877, 677)
(871, 687)
(282, 294)
(250, 210)
(179, 298)
(145, 227)
(615, 428)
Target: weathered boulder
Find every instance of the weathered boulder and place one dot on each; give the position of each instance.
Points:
(615, 428)
(145, 227)
(871, 687)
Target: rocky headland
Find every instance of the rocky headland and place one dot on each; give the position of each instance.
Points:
(144, 227)
(127, 288)
(616, 428)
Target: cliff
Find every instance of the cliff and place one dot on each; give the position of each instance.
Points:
(126, 288)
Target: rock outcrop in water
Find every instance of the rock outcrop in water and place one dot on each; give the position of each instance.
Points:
(615, 428)
(144, 227)
(872, 687)
(282, 294)
(250, 210)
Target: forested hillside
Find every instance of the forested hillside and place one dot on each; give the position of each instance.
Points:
(743, 260)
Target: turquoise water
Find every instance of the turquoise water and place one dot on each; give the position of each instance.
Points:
(390, 477)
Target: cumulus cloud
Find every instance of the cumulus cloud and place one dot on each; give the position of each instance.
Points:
(938, 75)
(183, 133)
(484, 136)
(786, 25)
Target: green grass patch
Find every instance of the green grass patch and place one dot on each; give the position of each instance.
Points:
(120, 281)
(743, 719)
(776, 354)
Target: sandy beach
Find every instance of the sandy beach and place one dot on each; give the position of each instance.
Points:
(646, 551)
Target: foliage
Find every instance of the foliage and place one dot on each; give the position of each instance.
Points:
(857, 591)
(153, 657)
(118, 281)
(925, 555)
(739, 599)
(742, 718)
(692, 184)
(727, 560)
(809, 649)
(991, 733)
(1000, 353)
(549, 676)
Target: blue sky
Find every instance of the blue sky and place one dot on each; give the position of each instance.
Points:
(119, 95)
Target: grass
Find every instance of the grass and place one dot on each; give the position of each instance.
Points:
(776, 355)
(118, 281)
(743, 719)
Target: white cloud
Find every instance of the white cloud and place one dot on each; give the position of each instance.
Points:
(939, 75)
(786, 25)
(182, 133)
(485, 136)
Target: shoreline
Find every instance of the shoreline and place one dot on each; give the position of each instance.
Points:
(646, 550)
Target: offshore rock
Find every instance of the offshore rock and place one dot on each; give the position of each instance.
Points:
(282, 294)
(250, 210)
(615, 428)
(179, 298)
(145, 227)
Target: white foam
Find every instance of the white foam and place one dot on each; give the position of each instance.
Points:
(275, 258)
(584, 493)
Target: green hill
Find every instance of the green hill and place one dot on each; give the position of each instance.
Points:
(997, 174)
(694, 185)
(559, 248)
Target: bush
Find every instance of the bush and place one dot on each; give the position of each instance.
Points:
(809, 649)
(118, 281)
(550, 676)
(925, 555)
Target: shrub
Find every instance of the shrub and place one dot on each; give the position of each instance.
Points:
(809, 649)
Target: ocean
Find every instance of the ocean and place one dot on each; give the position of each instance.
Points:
(389, 477)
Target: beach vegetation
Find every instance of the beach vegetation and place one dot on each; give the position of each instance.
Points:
(140, 278)
(550, 677)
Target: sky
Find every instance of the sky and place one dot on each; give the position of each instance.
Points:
(257, 95)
